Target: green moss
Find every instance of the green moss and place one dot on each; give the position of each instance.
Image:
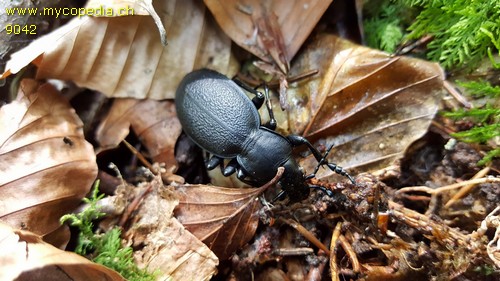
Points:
(105, 248)
(485, 269)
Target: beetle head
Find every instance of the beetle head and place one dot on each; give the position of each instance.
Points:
(293, 181)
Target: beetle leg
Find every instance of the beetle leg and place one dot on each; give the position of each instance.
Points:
(258, 101)
(213, 162)
(322, 188)
(298, 140)
(259, 98)
(280, 196)
(241, 175)
(272, 121)
(230, 168)
(271, 124)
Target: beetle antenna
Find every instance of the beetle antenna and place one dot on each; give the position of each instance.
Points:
(337, 169)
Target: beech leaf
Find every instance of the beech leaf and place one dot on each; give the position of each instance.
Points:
(271, 30)
(130, 7)
(154, 122)
(165, 244)
(223, 218)
(25, 256)
(139, 7)
(371, 106)
(122, 56)
(46, 165)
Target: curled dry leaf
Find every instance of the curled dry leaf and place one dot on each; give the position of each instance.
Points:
(369, 105)
(25, 256)
(271, 30)
(154, 122)
(122, 56)
(167, 245)
(223, 218)
(46, 166)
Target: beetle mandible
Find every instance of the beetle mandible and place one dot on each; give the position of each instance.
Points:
(219, 117)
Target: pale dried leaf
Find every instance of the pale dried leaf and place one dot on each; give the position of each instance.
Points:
(154, 122)
(25, 256)
(242, 21)
(167, 245)
(46, 166)
(371, 106)
(139, 7)
(223, 218)
(122, 56)
(128, 8)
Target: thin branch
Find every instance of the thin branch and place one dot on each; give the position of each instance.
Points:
(334, 270)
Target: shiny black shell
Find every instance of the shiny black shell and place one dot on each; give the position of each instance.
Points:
(215, 112)
(219, 117)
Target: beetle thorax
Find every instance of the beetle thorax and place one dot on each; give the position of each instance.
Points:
(263, 152)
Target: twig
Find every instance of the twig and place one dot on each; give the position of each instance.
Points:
(334, 270)
(403, 50)
(306, 233)
(139, 156)
(425, 225)
(275, 84)
(468, 188)
(285, 252)
(457, 95)
(135, 204)
(447, 187)
(350, 253)
(441, 128)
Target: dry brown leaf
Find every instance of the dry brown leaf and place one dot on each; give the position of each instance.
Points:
(24, 256)
(154, 122)
(167, 245)
(263, 27)
(122, 56)
(223, 218)
(46, 166)
(371, 106)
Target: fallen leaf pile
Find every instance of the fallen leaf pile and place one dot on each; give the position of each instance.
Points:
(374, 108)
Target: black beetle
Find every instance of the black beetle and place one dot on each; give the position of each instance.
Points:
(219, 117)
